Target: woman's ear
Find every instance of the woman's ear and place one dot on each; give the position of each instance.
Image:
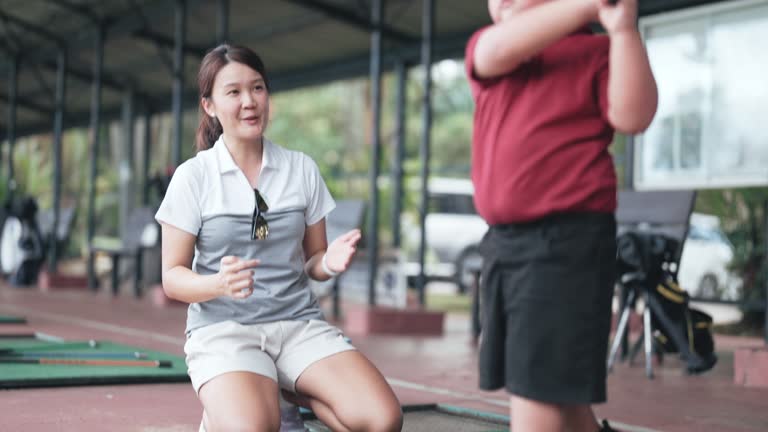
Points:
(208, 107)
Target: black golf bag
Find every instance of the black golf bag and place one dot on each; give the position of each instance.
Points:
(650, 259)
(22, 248)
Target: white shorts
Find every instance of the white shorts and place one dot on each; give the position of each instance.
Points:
(279, 350)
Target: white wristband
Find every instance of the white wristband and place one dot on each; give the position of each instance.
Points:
(327, 269)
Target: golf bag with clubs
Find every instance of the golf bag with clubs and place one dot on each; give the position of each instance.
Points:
(646, 264)
(22, 247)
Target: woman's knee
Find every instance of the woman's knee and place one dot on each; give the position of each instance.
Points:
(244, 423)
(388, 421)
(375, 419)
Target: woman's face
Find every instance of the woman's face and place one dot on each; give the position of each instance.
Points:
(240, 101)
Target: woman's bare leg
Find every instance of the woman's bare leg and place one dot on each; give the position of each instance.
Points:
(348, 393)
(240, 401)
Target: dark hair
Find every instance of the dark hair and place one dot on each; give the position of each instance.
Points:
(209, 129)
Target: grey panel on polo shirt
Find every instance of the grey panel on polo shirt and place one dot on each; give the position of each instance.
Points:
(280, 283)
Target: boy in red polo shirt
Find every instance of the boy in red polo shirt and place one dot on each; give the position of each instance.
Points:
(549, 95)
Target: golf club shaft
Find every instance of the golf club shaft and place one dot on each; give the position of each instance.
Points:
(86, 362)
(74, 354)
(52, 346)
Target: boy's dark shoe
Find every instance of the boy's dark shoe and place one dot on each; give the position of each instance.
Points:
(606, 427)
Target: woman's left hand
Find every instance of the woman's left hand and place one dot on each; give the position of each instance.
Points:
(340, 251)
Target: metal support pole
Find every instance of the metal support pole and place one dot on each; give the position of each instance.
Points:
(180, 34)
(58, 130)
(377, 9)
(147, 148)
(13, 81)
(427, 22)
(125, 161)
(98, 67)
(222, 31)
(401, 73)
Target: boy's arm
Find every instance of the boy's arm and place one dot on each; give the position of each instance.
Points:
(632, 93)
(510, 42)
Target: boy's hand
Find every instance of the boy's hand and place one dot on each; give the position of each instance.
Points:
(617, 17)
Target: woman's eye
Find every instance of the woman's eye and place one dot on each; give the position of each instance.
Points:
(232, 92)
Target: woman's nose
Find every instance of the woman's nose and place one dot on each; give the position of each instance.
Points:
(248, 100)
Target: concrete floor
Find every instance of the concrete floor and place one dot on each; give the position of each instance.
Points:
(420, 369)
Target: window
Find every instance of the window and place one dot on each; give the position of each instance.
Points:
(710, 128)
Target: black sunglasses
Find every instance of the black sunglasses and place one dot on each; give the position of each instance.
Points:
(259, 227)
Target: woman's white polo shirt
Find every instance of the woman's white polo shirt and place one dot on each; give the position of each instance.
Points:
(210, 198)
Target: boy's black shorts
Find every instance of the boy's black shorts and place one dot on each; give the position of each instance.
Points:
(547, 288)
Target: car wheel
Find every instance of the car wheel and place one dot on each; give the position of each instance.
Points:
(708, 287)
(467, 265)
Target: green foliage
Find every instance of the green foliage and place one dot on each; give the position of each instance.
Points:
(332, 123)
(313, 121)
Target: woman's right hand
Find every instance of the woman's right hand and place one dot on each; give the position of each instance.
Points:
(236, 276)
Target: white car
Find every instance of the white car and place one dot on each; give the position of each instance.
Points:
(707, 254)
(453, 231)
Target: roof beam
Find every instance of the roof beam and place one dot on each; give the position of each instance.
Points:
(121, 23)
(10, 39)
(78, 9)
(351, 18)
(144, 33)
(41, 80)
(166, 41)
(31, 28)
(28, 104)
(449, 46)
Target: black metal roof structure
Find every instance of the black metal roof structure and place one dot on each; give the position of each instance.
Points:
(302, 42)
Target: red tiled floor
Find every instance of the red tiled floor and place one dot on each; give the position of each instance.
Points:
(420, 369)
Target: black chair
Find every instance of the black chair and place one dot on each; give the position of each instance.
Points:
(66, 222)
(141, 232)
(652, 227)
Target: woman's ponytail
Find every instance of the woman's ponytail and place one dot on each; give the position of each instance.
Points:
(208, 131)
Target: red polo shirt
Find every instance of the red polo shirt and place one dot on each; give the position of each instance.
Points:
(541, 134)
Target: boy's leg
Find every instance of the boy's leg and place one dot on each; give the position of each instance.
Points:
(531, 415)
(581, 418)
